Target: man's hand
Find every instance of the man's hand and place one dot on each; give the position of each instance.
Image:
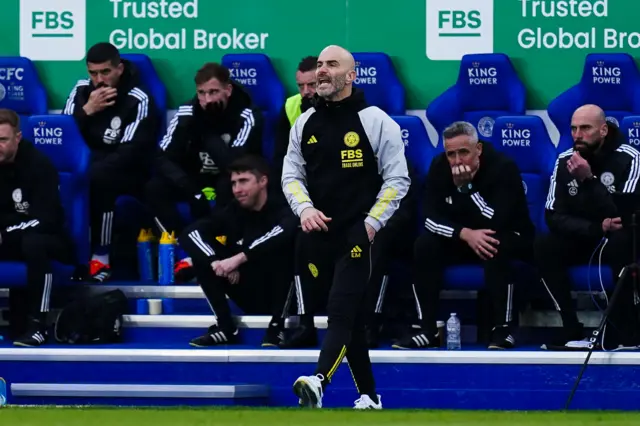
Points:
(313, 219)
(481, 242)
(100, 99)
(224, 268)
(578, 167)
(371, 232)
(461, 175)
(611, 224)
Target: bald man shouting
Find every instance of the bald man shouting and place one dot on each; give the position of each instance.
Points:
(585, 213)
(344, 175)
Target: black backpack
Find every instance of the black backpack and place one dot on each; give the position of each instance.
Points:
(95, 319)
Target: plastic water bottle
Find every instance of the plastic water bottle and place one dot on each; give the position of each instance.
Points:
(145, 256)
(166, 258)
(454, 329)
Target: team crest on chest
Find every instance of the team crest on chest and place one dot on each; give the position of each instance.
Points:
(351, 139)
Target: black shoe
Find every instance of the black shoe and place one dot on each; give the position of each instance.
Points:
(303, 337)
(31, 339)
(215, 336)
(420, 340)
(273, 338)
(501, 338)
(571, 337)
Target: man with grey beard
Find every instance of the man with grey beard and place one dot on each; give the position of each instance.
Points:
(344, 175)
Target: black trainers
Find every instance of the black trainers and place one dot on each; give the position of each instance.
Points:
(215, 336)
(420, 340)
(31, 339)
(501, 338)
(302, 337)
(273, 338)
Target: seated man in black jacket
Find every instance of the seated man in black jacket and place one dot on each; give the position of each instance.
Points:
(120, 123)
(204, 137)
(585, 220)
(476, 211)
(31, 220)
(244, 250)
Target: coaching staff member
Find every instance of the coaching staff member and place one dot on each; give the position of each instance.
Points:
(476, 211)
(119, 122)
(31, 220)
(344, 175)
(581, 211)
(217, 126)
(244, 250)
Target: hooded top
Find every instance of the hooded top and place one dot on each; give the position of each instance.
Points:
(577, 209)
(200, 144)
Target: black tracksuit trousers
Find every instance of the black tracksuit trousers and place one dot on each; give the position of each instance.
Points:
(433, 253)
(105, 189)
(555, 254)
(264, 283)
(347, 257)
(37, 251)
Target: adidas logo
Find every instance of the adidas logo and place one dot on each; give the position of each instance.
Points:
(312, 139)
(356, 252)
(573, 183)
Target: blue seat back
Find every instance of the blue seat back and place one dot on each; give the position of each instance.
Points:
(526, 140)
(377, 78)
(152, 82)
(419, 152)
(487, 87)
(59, 138)
(609, 80)
(255, 72)
(630, 128)
(21, 89)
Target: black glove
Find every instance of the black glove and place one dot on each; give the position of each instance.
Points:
(200, 206)
(214, 109)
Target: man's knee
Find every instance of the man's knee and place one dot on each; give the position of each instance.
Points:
(548, 247)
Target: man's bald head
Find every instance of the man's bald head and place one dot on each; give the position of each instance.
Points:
(588, 129)
(591, 112)
(335, 73)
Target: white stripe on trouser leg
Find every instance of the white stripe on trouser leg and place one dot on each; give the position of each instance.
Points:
(197, 240)
(418, 308)
(383, 290)
(555, 302)
(46, 293)
(298, 284)
(509, 313)
(107, 223)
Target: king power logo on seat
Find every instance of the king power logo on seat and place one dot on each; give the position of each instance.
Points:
(53, 30)
(455, 28)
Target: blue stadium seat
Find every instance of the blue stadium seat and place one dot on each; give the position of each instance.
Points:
(59, 138)
(527, 141)
(609, 80)
(630, 128)
(150, 78)
(377, 78)
(487, 87)
(256, 73)
(22, 90)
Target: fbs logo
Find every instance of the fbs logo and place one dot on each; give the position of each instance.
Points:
(458, 27)
(53, 30)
